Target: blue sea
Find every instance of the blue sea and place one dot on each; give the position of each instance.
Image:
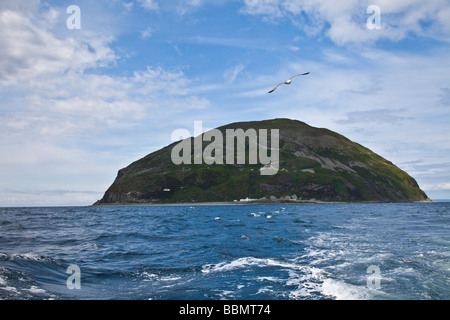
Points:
(249, 252)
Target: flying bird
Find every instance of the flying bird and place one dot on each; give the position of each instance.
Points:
(287, 81)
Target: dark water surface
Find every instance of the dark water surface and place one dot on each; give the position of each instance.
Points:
(282, 251)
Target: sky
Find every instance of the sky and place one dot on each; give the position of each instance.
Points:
(85, 93)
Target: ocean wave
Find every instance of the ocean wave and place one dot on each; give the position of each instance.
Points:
(248, 261)
(301, 252)
(4, 286)
(293, 281)
(29, 256)
(157, 277)
(20, 285)
(36, 290)
(304, 281)
(341, 290)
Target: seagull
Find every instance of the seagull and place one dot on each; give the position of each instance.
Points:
(287, 81)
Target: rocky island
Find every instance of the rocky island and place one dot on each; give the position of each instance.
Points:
(315, 164)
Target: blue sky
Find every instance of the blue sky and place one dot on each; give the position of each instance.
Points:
(77, 105)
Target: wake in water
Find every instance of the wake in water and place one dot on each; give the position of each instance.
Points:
(336, 251)
(16, 282)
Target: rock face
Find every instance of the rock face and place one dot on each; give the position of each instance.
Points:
(314, 163)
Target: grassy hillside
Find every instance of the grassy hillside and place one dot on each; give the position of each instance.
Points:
(314, 164)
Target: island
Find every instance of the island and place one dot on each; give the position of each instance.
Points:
(312, 165)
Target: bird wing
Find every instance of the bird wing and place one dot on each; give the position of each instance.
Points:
(275, 87)
(302, 74)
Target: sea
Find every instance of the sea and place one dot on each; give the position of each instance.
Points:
(391, 251)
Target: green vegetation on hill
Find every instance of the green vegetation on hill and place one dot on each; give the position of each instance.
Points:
(315, 163)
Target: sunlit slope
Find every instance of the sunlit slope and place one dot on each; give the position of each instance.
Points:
(314, 163)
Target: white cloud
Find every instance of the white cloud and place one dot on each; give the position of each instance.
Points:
(128, 5)
(377, 116)
(20, 5)
(61, 97)
(63, 105)
(82, 104)
(149, 4)
(184, 7)
(231, 74)
(262, 7)
(433, 187)
(147, 33)
(394, 103)
(180, 7)
(52, 198)
(37, 172)
(244, 43)
(345, 21)
(58, 111)
(30, 51)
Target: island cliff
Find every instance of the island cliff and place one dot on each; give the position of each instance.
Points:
(314, 164)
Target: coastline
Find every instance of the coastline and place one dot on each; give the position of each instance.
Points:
(239, 203)
(191, 204)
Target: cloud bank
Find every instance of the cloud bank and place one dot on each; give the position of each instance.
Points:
(344, 22)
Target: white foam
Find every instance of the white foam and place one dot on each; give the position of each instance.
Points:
(248, 261)
(306, 280)
(405, 271)
(6, 287)
(376, 258)
(271, 279)
(341, 290)
(226, 294)
(170, 278)
(155, 277)
(35, 290)
(28, 256)
(307, 283)
(149, 276)
(268, 289)
(304, 290)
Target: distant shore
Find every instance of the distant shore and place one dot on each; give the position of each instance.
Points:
(192, 204)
